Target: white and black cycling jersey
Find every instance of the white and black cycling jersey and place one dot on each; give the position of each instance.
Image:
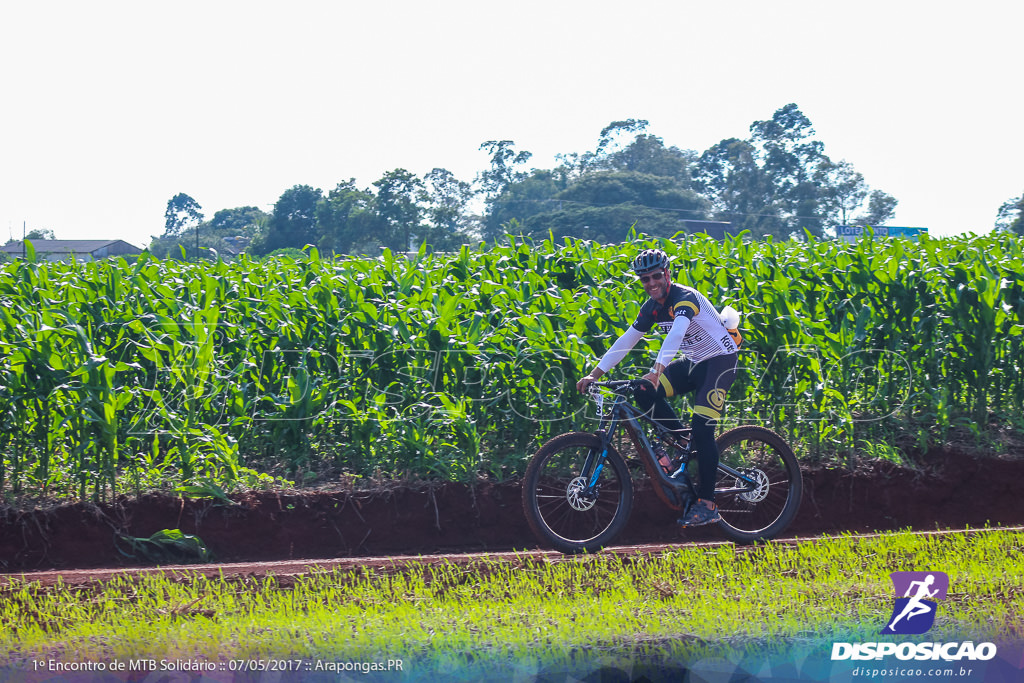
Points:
(706, 335)
(692, 326)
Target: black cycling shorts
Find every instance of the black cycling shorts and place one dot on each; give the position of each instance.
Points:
(709, 380)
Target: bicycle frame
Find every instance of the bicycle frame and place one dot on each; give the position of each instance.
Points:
(622, 413)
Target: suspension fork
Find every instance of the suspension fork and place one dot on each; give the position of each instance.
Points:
(596, 457)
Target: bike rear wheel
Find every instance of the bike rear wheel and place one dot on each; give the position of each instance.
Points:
(764, 510)
(557, 507)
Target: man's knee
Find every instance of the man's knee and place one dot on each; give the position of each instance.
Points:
(645, 394)
(703, 424)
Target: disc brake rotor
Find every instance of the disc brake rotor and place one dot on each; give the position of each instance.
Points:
(574, 494)
(760, 490)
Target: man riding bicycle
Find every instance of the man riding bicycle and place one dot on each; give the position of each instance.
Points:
(694, 327)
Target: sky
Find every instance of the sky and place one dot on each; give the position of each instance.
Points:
(110, 108)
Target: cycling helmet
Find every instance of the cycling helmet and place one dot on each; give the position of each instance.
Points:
(650, 260)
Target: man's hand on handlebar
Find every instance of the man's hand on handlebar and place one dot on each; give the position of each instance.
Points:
(582, 385)
(653, 377)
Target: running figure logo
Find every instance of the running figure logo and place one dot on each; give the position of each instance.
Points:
(914, 612)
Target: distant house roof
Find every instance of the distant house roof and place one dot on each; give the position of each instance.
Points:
(78, 249)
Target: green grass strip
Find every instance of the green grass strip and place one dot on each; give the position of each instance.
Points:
(686, 601)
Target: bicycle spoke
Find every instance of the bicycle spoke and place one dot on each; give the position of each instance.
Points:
(560, 504)
(760, 501)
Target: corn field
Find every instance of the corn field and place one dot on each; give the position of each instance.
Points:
(118, 376)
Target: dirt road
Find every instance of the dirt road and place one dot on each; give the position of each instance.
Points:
(287, 531)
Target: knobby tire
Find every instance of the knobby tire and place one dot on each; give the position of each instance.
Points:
(762, 514)
(550, 508)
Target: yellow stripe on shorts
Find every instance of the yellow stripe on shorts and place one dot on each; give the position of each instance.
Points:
(708, 412)
(668, 385)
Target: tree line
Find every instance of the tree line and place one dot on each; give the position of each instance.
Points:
(778, 182)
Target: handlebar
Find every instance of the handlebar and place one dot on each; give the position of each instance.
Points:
(618, 386)
(615, 383)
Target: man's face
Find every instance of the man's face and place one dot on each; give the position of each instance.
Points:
(656, 284)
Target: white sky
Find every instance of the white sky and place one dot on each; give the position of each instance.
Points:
(111, 108)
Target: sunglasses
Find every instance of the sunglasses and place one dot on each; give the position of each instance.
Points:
(653, 277)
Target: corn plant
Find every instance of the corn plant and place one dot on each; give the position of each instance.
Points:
(458, 365)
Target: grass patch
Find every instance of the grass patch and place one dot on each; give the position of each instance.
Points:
(686, 603)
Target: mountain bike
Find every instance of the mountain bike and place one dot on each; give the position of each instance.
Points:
(578, 489)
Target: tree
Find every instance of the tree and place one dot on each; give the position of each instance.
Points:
(780, 181)
(230, 230)
(1010, 217)
(629, 179)
(347, 221)
(881, 208)
(577, 165)
(448, 200)
(496, 180)
(648, 154)
(242, 221)
(40, 234)
(399, 194)
(292, 222)
(521, 200)
(738, 188)
(194, 245)
(643, 189)
(604, 206)
(611, 132)
(504, 163)
(843, 190)
(790, 158)
(606, 224)
(182, 211)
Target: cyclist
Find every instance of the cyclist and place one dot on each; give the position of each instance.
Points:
(694, 327)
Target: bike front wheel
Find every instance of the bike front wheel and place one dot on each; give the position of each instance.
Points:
(562, 508)
(762, 503)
